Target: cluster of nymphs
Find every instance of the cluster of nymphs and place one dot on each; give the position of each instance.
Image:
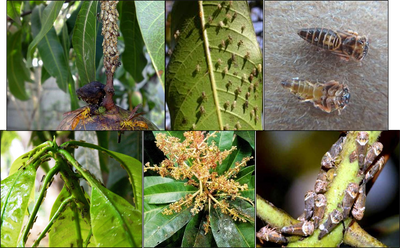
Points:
(315, 200)
(195, 160)
(109, 16)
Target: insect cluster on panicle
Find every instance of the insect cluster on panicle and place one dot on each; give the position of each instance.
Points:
(109, 16)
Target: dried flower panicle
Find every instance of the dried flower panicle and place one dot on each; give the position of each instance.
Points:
(194, 160)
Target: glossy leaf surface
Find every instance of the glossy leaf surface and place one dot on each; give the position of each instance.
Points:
(63, 232)
(115, 222)
(151, 19)
(17, 73)
(50, 14)
(84, 41)
(15, 194)
(133, 56)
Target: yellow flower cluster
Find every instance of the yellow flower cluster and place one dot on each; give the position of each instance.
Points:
(194, 160)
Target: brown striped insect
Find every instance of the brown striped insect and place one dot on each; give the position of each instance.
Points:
(309, 202)
(345, 44)
(350, 195)
(305, 228)
(334, 218)
(327, 96)
(319, 209)
(373, 152)
(330, 159)
(361, 147)
(321, 183)
(271, 235)
(359, 206)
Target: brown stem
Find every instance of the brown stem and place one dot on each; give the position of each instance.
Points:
(358, 237)
(108, 101)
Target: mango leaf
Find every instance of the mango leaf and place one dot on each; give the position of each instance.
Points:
(225, 231)
(167, 192)
(133, 56)
(133, 168)
(214, 78)
(15, 193)
(50, 14)
(151, 19)
(63, 232)
(51, 50)
(223, 140)
(243, 150)
(84, 41)
(115, 222)
(161, 227)
(17, 73)
(14, 10)
(194, 233)
(248, 136)
(150, 181)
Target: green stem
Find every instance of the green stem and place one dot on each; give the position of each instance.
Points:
(77, 226)
(39, 201)
(274, 216)
(358, 237)
(89, 178)
(87, 241)
(60, 209)
(346, 173)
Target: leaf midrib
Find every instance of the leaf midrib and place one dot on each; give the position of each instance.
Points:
(210, 66)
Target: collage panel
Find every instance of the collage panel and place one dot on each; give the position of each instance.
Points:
(326, 65)
(85, 65)
(71, 189)
(116, 66)
(312, 188)
(199, 189)
(214, 65)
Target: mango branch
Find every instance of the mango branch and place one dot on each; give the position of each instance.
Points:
(358, 237)
(346, 163)
(346, 172)
(274, 216)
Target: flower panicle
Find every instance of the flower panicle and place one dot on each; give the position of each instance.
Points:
(195, 159)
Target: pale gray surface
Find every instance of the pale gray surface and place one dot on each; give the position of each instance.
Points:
(288, 56)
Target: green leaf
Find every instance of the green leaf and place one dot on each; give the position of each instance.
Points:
(194, 233)
(226, 233)
(223, 140)
(245, 175)
(167, 192)
(150, 181)
(194, 69)
(51, 50)
(15, 193)
(161, 227)
(63, 232)
(132, 166)
(50, 14)
(14, 10)
(243, 150)
(133, 56)
(20, 161)
(151, 17)
(248, 136)
(84, 41)
(17, 73)
(115, 222)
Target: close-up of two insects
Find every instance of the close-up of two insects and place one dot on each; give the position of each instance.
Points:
(352, 205)
(332, 95)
